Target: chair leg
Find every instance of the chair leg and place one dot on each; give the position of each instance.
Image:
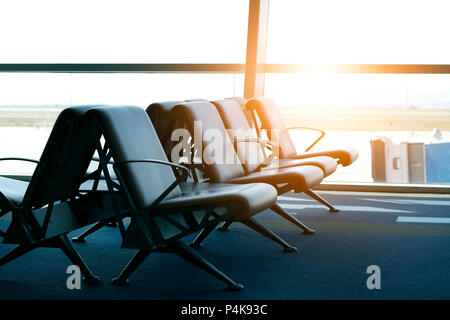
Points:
(289, 217)
(197, 243)
(17, 252)
(66, 246)
(318, 198)
(185, 252)
(225, 226)
(94, 228)
(255, 225)
(61, 242)
(138, 258)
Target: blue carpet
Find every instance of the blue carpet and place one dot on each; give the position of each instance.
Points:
(414, 258)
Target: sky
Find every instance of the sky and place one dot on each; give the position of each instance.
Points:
(132, 31)
(214, 31)
(359, 31)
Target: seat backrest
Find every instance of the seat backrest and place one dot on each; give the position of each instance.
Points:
(229, 166)
(64, 161)
(270, 118)
(159, 113)
(130, 135)
(250, 153)
(242, 102)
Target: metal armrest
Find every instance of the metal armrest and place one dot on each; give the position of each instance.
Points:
(166, 163)
(267, 143)
(20, 159)
(314, 129)
(178, 179)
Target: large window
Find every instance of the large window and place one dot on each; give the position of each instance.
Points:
(320, 55)
(30, 102)
(398, 122)
(95, 33)
(355, 109)
(133, 31)
(355, 31)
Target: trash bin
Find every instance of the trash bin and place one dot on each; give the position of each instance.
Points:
(437, 161)
(397, 163)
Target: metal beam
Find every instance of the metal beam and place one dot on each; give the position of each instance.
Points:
(122, 68)
(359, 68)
(258, 20)
(252, 70)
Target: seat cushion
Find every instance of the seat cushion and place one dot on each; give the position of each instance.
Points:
(300, 178)
(327, 164)
(249, 199)
(13, 189)
(345, 156)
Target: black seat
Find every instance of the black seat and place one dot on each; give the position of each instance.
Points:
(248, 197)
(269, 116)
(253, 156)
(284, 180)
(159, 113)
(162, 111)
(51, 205)
(246, 142)
(163, 208)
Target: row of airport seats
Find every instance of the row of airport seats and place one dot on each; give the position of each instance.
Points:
(243, 123)
(297, 173)
(133, 178)
(63, 196)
